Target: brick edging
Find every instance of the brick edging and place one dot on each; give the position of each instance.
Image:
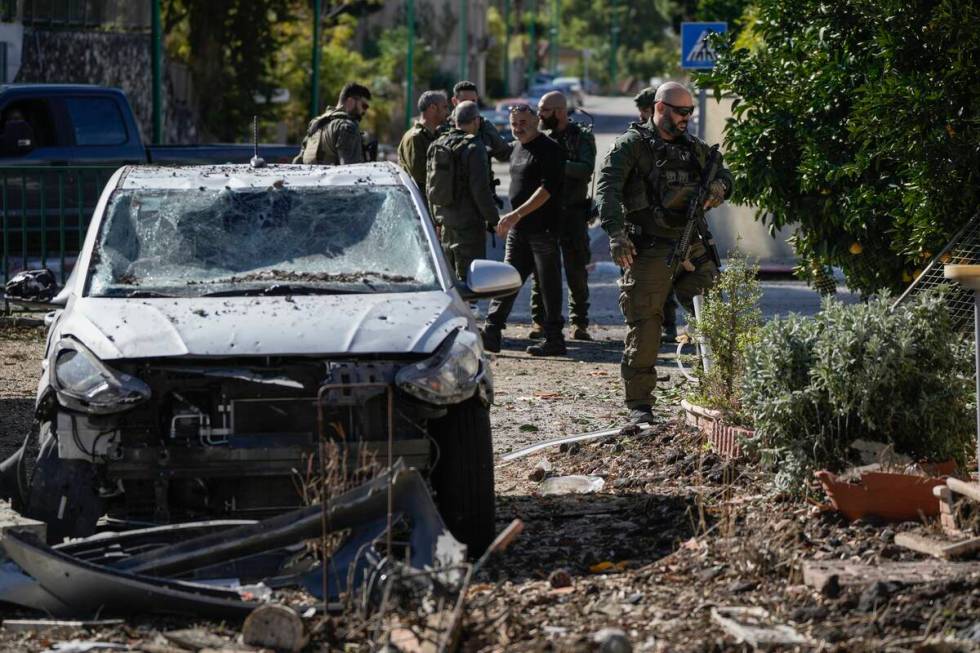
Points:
(724, 438)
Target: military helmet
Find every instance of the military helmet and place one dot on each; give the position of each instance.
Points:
(646, 97)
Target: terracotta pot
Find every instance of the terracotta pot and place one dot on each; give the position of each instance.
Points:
(724, 438)
(886, 495)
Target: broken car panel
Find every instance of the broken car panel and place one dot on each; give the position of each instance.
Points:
(208, 307)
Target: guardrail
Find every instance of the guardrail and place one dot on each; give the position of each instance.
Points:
(44, 212)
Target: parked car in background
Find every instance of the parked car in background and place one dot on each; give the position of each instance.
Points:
(572, 88)
(500, 120)
(225, 323)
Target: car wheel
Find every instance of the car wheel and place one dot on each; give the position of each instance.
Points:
(463, 475)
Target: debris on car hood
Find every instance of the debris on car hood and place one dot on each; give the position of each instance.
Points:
(118, 328)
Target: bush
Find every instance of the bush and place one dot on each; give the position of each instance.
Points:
(730, 321)
(814, 385)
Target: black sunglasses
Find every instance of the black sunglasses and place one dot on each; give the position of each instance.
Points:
(681, 111)
(521, 108)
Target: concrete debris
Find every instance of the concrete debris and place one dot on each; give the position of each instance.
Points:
(612, 640)
(572, 485)
(80, 646)
(754, 627)
(844, 573)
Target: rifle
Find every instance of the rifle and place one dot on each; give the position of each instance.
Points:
(697, 222)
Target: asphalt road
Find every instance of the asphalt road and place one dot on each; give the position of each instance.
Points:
(611, 117)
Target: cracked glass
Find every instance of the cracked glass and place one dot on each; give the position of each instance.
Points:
(198, 242)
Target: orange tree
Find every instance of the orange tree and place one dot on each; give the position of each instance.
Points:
(859, 122)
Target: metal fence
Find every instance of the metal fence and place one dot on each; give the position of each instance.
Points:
(962, 249)
(45, 212)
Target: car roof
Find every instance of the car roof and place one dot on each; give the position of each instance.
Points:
(245, 176)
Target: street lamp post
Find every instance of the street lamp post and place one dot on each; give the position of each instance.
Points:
(464, 63)
(507, 47)
(532, 55)
(315, 81)
(410, 64)
(613, 43)
(553, 38)
(156, 57)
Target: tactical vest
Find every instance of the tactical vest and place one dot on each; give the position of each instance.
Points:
(444, 169)
(312, 138)
(658, 189)
(576, 192)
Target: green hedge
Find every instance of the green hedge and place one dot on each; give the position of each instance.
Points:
(813, 385)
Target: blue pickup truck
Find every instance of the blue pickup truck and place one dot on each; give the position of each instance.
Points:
(59, 143)
(73, 124)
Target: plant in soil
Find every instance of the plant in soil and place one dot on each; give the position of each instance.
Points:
(903, 377)
(729, 322)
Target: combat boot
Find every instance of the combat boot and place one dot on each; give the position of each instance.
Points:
(492, 338)
(581, 333)
(536, 332)
(553, 347)
(641, 415)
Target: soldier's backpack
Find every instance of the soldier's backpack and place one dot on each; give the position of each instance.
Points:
(312, 131)
(443, 169)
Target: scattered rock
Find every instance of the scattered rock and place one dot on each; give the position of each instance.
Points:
(877, 595)
(278, 627)
(572, 485)
(740, 586)
(560, 578)
(541, 471)
(612, 640)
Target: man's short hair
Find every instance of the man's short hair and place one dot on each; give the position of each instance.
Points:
(353, 89)
(429, 98)
(466, 112)
(464, 86)
(646, 98)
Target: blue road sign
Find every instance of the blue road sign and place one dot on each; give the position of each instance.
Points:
(695, 51)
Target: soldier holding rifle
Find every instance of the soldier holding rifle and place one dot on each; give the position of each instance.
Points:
(655, 181)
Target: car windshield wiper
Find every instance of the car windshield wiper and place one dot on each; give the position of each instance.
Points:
(148, 293)
(281, 289)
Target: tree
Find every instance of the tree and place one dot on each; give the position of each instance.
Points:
(859, 122)
(229, 46)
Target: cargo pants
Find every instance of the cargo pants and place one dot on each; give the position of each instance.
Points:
(643, 289)
(462, 247)
(575, 256)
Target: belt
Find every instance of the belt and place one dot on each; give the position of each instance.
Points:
(646, 240)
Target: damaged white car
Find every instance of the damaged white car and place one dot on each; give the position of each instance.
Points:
(222, 323)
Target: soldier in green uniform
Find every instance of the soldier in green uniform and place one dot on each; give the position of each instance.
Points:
(644, 185)
(645, 100)
(460, 194)
(433, 110)
(334, 138)
(579, 145)
(466, 91)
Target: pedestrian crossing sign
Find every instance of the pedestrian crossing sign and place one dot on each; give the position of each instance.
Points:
(695, 50)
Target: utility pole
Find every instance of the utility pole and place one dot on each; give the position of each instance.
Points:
(532, 55)
(507, 47)
(614, 44)
(410, 64)
(315, 91)
(553, 38)
(464, 60)
(156, 57)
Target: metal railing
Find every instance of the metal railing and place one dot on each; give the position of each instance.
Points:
(44, 212)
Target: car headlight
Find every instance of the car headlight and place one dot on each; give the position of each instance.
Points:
(450, 375)
(84, 383)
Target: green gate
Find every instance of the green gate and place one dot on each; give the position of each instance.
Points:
(45, 212)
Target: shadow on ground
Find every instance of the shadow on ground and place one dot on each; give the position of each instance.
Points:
(16, 416)
(575, 532)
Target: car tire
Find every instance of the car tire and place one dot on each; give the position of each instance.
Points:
(463, 474)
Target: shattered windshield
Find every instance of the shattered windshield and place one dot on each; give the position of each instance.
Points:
(200, 242)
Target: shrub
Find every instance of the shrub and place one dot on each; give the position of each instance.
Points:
(729, 322)
(814, 385)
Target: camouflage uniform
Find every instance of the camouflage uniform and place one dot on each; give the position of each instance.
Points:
(643, 189)
(332, 139)
(579, 145)
(465, 223)
(411, 152)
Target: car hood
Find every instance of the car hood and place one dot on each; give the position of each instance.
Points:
(394, 323)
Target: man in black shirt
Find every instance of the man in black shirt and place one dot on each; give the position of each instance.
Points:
(537, 172)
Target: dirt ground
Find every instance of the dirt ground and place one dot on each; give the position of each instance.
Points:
(674, 532)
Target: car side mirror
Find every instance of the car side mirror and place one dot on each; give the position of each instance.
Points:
(488, 279)
(32, 287)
